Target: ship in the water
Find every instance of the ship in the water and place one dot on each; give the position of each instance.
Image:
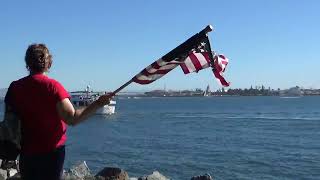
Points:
(291, 92)
(84, 98)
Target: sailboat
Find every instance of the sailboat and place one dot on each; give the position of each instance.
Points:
(207, 92)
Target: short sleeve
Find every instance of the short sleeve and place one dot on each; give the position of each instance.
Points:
(59, 92)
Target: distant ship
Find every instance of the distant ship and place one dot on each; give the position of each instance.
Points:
(84, 98)
(292, 92)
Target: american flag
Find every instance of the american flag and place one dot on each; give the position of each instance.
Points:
(184, 55)
(193, 55)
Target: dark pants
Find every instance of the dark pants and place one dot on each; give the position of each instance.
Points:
(45, 166)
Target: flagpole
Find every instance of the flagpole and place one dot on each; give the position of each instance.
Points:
(121, 87)
(207, 29)
(188, 44)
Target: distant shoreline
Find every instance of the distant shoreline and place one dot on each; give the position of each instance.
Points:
(142, 96)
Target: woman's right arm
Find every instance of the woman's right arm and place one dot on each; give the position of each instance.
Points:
(72, 116)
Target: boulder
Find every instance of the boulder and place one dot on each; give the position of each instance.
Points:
(10, 164)
(17, 176)
(3, 174)
(81, 170)
(154, 176)
(76, 172)
(202, 177)
(12, 172)
(89, 178)
(0, 162)
(111, 173)
(69, 176)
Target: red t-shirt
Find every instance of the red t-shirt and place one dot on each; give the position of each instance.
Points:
(34, 98)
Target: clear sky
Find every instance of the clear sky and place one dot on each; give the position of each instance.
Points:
(105, 43)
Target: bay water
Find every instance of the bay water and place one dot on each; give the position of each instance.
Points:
(228, 137)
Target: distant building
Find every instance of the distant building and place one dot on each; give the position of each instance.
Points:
(156, 93)
(311, 92)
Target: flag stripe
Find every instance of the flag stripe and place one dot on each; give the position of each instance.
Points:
(162, 70)
(146, 73)
(155, 65)
(203, 60)
(221, 79)
(220, 64)
(159, 67)
(184, 68)
(155, 71)
(142, 79)
(189, 65)
(206, 55)
(150, 77)
(195, 62)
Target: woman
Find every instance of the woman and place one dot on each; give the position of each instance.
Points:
(45, 110)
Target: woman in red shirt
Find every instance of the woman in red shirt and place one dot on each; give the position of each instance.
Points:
(45, 110)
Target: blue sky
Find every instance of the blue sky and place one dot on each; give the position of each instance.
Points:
(105, 43)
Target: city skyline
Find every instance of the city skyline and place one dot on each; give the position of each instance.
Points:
(165, 89)
(104, 44)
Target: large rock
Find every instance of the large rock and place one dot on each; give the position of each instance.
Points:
(3, 174)
(70, 176)
(154, 176)
(202, 177)
(17, 176)
(111, 173)
(81, 170)
(9, 169)
(78, 172)
(10, 164)
(12, 172)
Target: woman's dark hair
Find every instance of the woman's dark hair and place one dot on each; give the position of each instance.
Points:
(38, 58)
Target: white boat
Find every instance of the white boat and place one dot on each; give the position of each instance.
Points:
(207, 92)
(84, 98)
(292, 92)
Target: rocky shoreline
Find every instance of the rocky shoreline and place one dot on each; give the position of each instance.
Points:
(10, 171)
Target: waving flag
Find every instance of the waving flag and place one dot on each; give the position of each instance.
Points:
(192, 55)
(219, 65)
(196, 47)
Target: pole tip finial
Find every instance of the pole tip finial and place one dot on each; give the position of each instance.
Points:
(209, 28)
